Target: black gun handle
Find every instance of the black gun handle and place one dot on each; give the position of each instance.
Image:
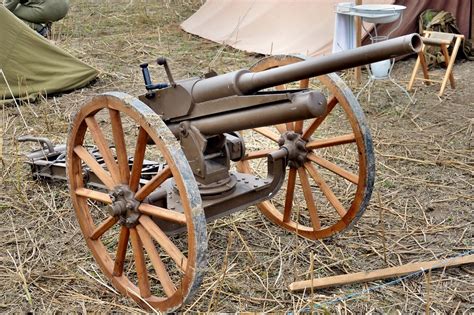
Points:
(146, 75)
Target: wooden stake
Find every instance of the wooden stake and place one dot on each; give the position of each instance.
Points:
(379, 274)
(428, 292)
(358, 25)
(382, 230)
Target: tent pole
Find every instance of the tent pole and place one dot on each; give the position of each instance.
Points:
(472, 20)
(358, 25)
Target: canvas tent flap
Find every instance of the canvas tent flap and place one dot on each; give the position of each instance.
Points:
(270, 26)
(31, 64)
(298, 26)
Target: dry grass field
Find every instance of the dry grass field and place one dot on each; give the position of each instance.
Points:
(421, 208)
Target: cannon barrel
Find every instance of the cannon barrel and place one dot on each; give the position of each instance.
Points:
(302, 105)
(244, 82)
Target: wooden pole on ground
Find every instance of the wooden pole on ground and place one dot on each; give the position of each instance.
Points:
(379, 274)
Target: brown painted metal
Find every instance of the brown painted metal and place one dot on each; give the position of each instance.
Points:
(200, 97)
(195, 180)
(244, 82)
(203, 117)
(302, 105)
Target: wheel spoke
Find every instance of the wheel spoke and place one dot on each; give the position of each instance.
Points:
(90, 161)
(289, 126)
(308, 196)
(103, 227)
(330, 142)
(94, 195)
(299, 126)
(104, 150)
(318, 121)
(334, 168)
(121, 251)
(325, 189)
(158, 265)
(265, 131)
(290, 191)
(138, 159)
(120, 147)
(140, 266)
(164, 241)
(281, 128)
(304, 84)
(257, 154)
(162, 213)
(152, 184)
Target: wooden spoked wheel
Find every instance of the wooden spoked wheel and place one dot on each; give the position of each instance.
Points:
(328, 189)
(120, 226)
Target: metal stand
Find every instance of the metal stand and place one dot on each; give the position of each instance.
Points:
(373, 78)
(376, 70)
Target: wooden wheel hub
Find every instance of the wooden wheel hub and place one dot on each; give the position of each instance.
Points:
(294, 143)
(124, 206)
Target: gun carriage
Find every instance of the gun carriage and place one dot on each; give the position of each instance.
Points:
(143, 170)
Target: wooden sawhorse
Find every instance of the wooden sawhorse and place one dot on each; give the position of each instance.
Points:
(442, 40)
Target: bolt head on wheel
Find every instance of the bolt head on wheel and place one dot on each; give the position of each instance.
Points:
(124, 206)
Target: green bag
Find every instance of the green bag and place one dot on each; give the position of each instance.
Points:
(442, 21)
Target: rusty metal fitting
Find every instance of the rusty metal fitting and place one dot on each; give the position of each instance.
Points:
(296, 147)
(124, 206)
(183, 129)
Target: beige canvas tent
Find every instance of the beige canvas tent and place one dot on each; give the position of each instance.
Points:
(30, 64)
(269, 27)
(296, 26)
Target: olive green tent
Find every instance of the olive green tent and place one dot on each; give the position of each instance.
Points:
(30, 64)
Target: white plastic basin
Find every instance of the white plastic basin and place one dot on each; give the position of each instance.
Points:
(381, 69)
(379, 13)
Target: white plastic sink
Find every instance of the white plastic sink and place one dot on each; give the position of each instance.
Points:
(379, 13)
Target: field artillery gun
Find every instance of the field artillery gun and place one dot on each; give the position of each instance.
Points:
(150, 171)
